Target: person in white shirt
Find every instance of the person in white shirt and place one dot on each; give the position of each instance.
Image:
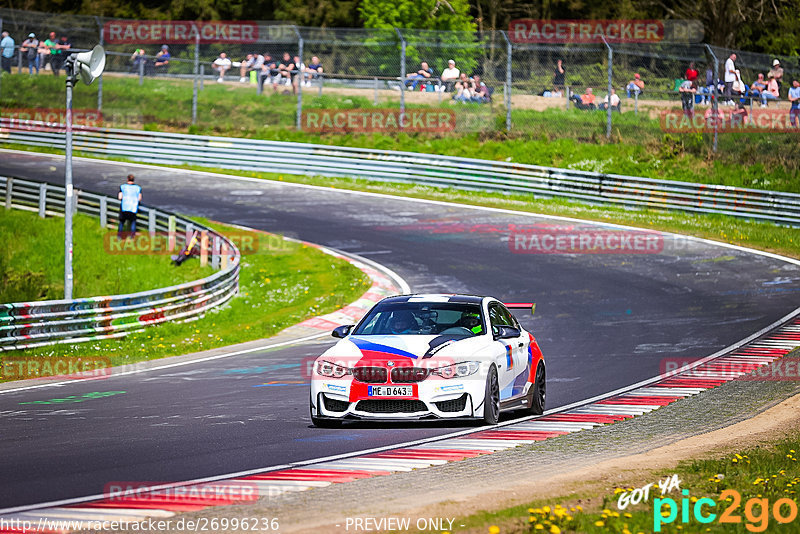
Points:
(450, 75)
(731, 75)
(222, 65)
(614, 101)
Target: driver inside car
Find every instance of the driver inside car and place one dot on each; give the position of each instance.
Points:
(471, 321)
(403, 322)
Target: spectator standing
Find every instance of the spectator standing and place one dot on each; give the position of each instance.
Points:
(559, 76)
(794, 98)
(48, 50)
(777, 73)
(758, 86)
(423, 73)
(312, 71)
(687, 90)
(161, 60)
(59, 56)
(691, 73)
(222, 65)
(30, 51)
(6, 52)
(731, 75)
(450, 76)
(138, 59)
(635, 86)
(772, 92)
(130, 194)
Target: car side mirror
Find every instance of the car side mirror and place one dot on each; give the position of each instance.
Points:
(342, 331)
(506, 332)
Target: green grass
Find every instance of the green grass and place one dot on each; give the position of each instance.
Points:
(768, 473)
(32, 261)
(277, 288)
(555, 137)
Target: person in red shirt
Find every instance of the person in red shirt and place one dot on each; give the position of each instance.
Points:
(691, 73)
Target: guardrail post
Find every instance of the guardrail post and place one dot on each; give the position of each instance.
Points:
(42, 200)
(635, 103)
(203, 248)
(224, 255)
(300, 75)
(402, 71)
(103, 212)
(375, 94)
(188, 233)
(151, 221)
(141, 72)
(9, 190)
(215, 252)
(171, 232)
(202, 76)
(567, 92)
(610, 87)
(75, 199)
(714, 96)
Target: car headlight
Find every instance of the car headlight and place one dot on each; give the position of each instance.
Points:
(458, 370)
(332, 370)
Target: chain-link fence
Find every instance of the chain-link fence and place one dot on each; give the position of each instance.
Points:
(344, 80)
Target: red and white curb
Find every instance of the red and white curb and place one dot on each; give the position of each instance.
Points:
(165, 503)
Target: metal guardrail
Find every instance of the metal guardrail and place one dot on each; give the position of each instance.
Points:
(416, 168)
(33, 324)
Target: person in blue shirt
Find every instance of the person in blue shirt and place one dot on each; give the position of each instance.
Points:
(130, 194)
(6, 52)
(794, 98)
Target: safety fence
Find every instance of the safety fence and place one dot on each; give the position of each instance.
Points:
(417, 168)
(33, 324)
(536, 87)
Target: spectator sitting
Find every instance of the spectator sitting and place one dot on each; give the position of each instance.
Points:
(312, 71)
(777, 73)
(691, 73)
(463, 88)
(252, 63)
(687, 90)
(739, 115)
(423, 73)
(222, 65)
(267, 71)
(759, 86)
(585, 101)
(480, 92)
(615, 101)
(138, 61)
(286, 70)
(450, 76)
(772, 92)
(161, 61)
(636, 85)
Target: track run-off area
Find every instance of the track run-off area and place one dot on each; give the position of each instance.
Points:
(603, 321)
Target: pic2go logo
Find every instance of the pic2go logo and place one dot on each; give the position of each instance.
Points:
(756, 511)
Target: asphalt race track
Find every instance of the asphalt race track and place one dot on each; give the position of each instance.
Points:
(603, 321)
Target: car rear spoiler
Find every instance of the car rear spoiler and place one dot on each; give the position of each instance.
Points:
(521, 306)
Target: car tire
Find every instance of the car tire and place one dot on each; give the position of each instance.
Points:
(538, 392)
(491, 398)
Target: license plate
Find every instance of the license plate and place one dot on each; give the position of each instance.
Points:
(391, 391)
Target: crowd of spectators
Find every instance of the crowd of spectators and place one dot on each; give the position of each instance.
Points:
(37, 55)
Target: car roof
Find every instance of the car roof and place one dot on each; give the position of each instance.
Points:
(436, 297)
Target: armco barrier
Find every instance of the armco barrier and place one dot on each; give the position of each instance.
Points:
(332, 161)
(32, 324)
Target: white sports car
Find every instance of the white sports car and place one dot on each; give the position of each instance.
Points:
(429, 356)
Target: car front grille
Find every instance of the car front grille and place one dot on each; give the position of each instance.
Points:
(371, 375)
(390, 406)
(334, 405)
(452, 405)
(407, 375)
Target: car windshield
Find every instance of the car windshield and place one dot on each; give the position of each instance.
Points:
(423, 318)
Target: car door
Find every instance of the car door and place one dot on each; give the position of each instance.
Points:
(512, 362)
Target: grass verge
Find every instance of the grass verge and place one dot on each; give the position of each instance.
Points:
(553, 137)
(32, 261)
(277, 288)
(750, 484)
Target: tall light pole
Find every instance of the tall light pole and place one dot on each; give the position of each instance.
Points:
(90, 65)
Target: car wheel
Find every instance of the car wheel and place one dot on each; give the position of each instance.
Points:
(536, 397)
(491, 398)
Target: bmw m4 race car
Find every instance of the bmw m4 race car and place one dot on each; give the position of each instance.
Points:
(429, 356)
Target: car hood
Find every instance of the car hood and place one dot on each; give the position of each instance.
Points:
(406, 349)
